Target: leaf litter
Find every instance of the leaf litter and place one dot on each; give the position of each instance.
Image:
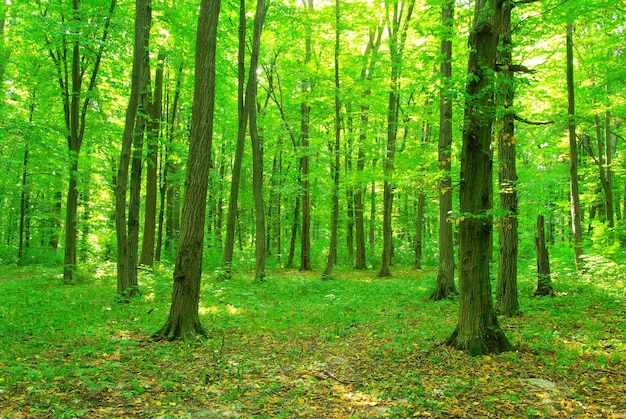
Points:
(354, 355)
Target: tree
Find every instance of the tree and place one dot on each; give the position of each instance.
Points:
(69, 55)
(573, 152)
(397, 31)
(544, 283)
(183, 321)
(332, 250)
(478, 331)
(305, 112)
(257, 148)
(444, 287)
(153, 132)
(242, 112)
(127, 284)
(506, 288)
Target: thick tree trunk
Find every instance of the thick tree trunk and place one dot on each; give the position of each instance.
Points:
(573, 154)
(506, 289)
(183, 321)
(478, 331)
(444, 287)
(544, 283)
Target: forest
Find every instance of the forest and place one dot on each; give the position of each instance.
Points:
(312, 208)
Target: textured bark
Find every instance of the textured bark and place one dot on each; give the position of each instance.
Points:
(444, 288)
(478, 331)
(126, 271)
(573, 153)
(183, 321)
(544, 283)
(506, 289)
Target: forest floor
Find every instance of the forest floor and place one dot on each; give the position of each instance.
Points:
(295, 346)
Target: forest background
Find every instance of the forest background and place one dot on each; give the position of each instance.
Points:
(346, 163)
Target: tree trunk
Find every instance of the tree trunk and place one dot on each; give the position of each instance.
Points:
(573, 154)
(332, 250)
(397, 37)
(257, 148)
(419, 227)
(154, 133)
(444, 287)
(242, 111)
(544, 283)
(126, 272)
(506, 288)
(478, 331)
(294, 233)
(184, 321)
(305, 111)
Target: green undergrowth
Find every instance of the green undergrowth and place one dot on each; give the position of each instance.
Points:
(296, 346)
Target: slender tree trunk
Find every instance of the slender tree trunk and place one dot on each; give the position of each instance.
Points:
(444, 287)
(544, 283)
(184, 321)
(419, 227)
(305, 111)
(257, 148)
(24, 233)
(165, 188)
(126, 272)
(154, 133)
(294, 233)
(573, 154)
(397, 37)
(332, 251)
(608, 147)
(242, 111)
(506, 289)
(478, 331)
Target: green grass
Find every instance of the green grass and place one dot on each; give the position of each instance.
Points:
(296, 346)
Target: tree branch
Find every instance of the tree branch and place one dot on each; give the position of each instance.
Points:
(526, 121)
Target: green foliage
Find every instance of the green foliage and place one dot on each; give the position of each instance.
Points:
(298, 346)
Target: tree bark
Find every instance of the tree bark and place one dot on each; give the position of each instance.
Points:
(154, 134)
(573, 153)
(397, 30)
(478, 331)
(444, 288)
(305, 111)
(544, 283)
(332, 250)
(126, 271)
(184, 321)
(506, 288)
(257, 148)
(242, 111)
(419, 227)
